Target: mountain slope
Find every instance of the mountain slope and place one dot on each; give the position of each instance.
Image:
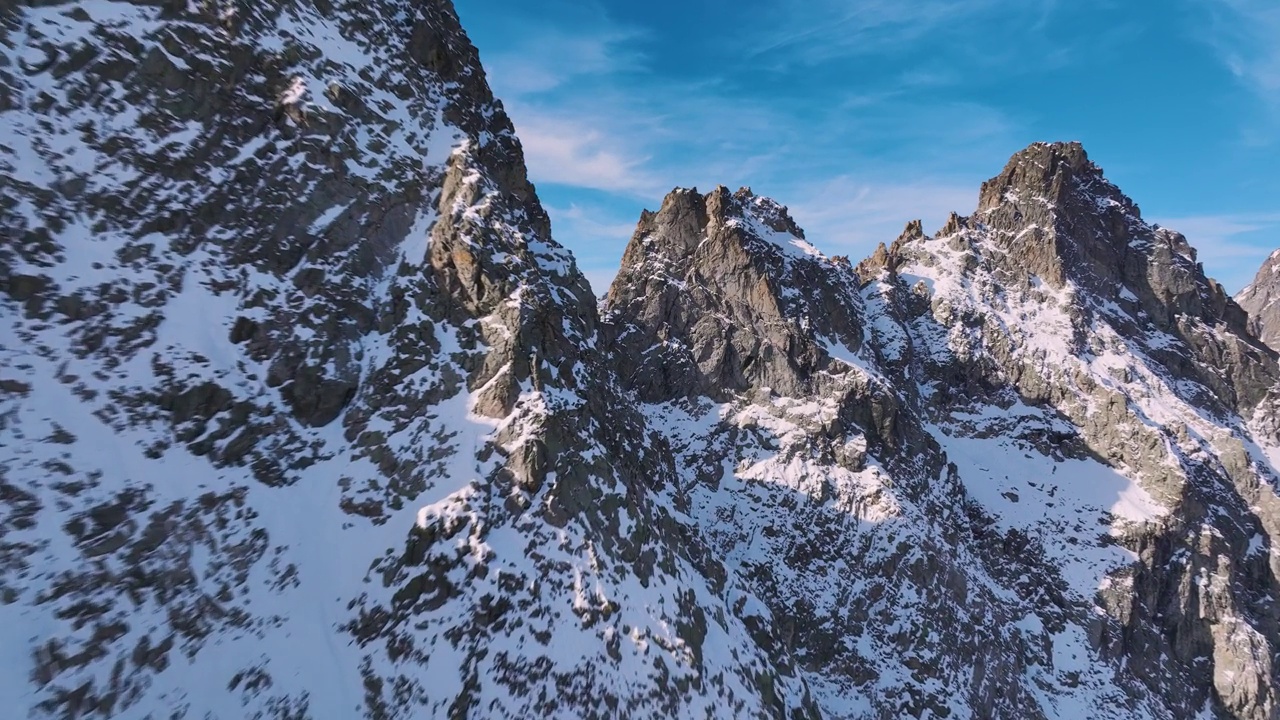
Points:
(1069, 299)
(1259, 299)
(817, 482)
(305, 414)
(301, 405)
(1028, 473)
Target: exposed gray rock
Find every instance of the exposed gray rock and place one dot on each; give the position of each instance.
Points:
(720, 293)
(1054, 330)
(1056, 218)
(1120, 333)
(831, 471)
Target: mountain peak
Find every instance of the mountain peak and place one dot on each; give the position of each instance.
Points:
(722, 204)
(1261, 298)
(1051, 217)
(1048, 173)
(704, 260)
(687, 217)
(1057, 217)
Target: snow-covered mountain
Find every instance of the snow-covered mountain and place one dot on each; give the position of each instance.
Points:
(303, 410)
(1259, 299)
(1023, 468)
(304, 414)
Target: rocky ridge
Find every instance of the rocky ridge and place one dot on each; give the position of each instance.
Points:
(302, 410)
(1068, 299)
(305, 414)
(1053, 332)
(1259, 297)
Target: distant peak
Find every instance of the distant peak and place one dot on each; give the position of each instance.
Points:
(912, 232)
(954, 225)
(772, 213)
(721, 204)
(687, 206)
(1042, 170)
(1070, 148)
(1053, 155)
(681, 196)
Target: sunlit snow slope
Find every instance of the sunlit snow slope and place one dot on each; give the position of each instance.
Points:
(1017, 469)
(301, 410)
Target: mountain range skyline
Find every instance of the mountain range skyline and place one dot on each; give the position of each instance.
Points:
(862, 116)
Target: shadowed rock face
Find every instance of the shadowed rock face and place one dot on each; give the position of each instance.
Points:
(1097, 235)
(1053, 217)
(720, 293)
(1053, 330)
(1062, 219)
(1057, 290)
(1259, 300)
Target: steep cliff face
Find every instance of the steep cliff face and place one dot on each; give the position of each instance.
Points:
(1033, 478)
(301, 405)
(1259, 299)
(1057, 292)
(821, 483)
(724, 290)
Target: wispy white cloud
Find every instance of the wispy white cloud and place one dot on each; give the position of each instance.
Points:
(888, 134)
(591, 113)
(855, 162)
(1246, 34)
(810, 32)
(619, 130)
(850, 215)
(814, 31)
(559, 149)
(599, 235)
(644, 143)
(593, 221)
(559, 88)
(550, 58)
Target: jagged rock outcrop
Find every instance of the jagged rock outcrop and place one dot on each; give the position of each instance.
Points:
(723, 288)
(833, 515)
(1057, 291)
(1259, 297)
(301, 410)
(1051, 365)
(1057, 219)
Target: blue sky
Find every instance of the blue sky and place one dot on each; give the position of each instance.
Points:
(864, 114)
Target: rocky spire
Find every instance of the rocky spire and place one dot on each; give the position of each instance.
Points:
(720, 293)
(1052, 216)
(1059, 218)
(1053, 332)
(1058, 296)
(1260, 299)
(1049, 171)
(886, 258)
